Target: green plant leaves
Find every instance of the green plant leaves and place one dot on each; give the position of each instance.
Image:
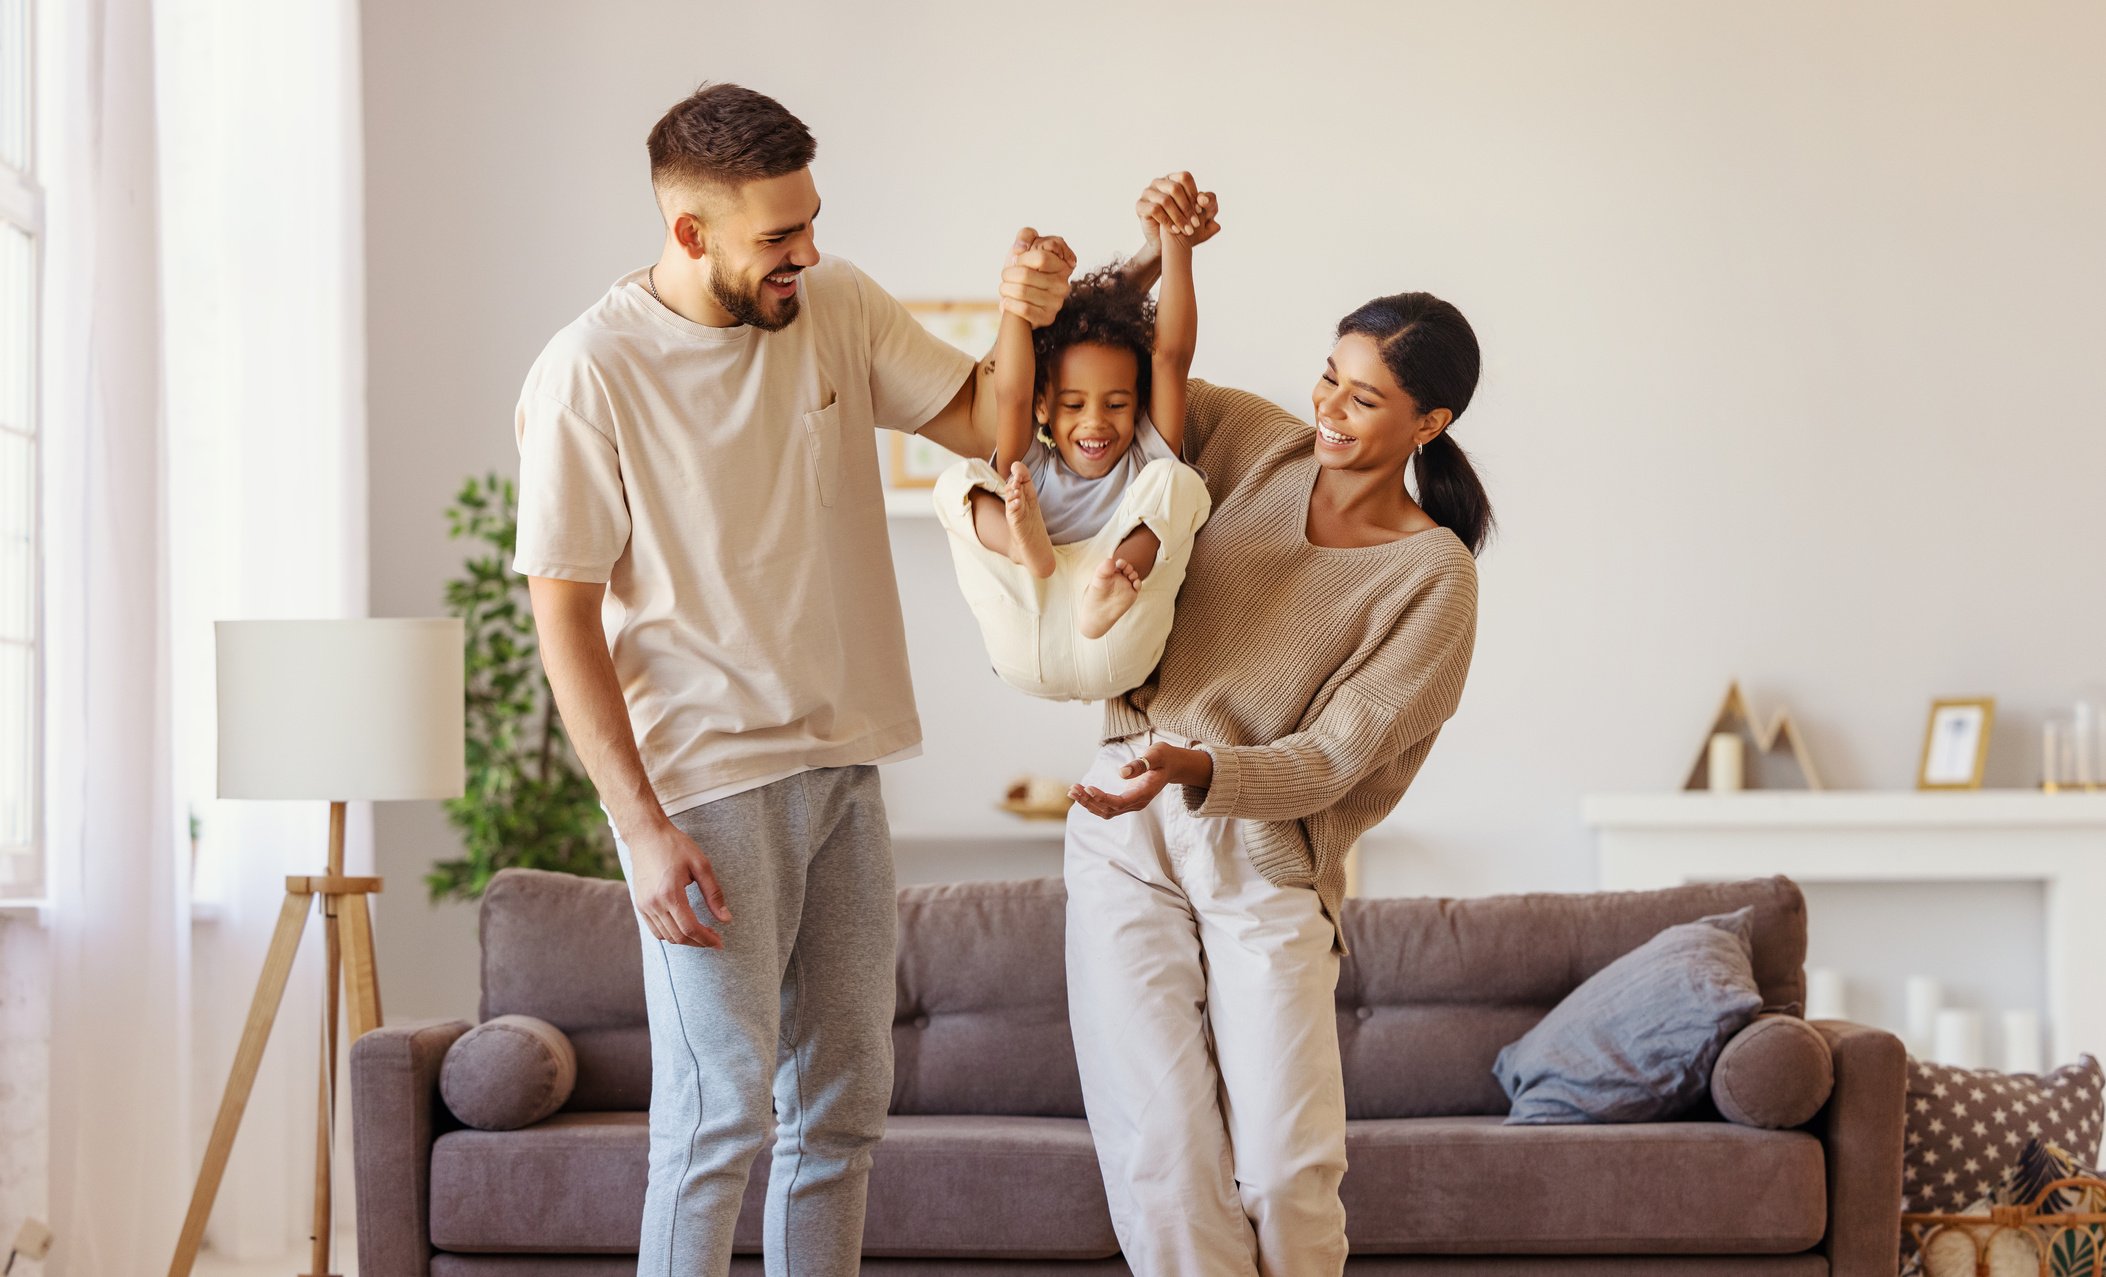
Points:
(528, 803)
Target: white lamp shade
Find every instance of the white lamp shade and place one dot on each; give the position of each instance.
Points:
(344, 711)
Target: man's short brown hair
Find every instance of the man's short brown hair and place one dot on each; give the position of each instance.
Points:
(724, 136)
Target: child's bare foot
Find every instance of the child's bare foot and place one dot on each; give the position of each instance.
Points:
(1028, 542)
(1110, 591)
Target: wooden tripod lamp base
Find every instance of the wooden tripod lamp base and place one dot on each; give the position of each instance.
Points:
(347, 928)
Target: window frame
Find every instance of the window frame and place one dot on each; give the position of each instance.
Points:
(22, 206)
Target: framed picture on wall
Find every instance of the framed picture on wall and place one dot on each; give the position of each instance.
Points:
(1956, 743)
(914, 462)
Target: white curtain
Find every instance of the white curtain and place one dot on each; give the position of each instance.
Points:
(204, 402)
(119, 921)
(262, 268)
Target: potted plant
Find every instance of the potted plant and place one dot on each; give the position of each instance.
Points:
(528, 802)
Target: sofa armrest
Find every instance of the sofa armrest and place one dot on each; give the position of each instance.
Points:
(396, 1113)
(1861, 1128)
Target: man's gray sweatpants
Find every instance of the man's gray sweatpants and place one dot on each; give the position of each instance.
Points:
(790, 1022)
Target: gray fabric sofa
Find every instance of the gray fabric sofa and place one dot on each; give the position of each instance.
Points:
(987, 1167)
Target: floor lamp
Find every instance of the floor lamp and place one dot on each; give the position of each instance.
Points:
(338, 711)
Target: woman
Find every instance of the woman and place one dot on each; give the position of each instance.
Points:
(1322, 639)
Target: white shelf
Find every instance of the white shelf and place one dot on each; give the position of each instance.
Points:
(2057, 841)
(1846, 809)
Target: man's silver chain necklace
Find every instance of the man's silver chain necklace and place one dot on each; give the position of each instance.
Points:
(650, 281)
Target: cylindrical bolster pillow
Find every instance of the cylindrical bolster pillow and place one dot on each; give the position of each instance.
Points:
(508, 1072)
(1776, 1073)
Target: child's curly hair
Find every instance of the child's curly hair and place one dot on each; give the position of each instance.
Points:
(1102, 309)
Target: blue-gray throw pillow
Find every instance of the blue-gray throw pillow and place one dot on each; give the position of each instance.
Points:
(1637, 1041)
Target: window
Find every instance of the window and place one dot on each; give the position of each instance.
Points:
(21, 697)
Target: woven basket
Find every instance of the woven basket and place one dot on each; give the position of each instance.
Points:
(2020, 1239)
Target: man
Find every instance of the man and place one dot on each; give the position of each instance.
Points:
(702, 526)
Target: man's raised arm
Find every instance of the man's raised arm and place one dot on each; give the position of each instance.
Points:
(1034, 284)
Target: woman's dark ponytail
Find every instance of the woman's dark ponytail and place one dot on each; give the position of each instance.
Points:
(1432, 352)
(1449, 490)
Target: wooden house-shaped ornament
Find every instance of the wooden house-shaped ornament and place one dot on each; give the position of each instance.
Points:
(1776, 756)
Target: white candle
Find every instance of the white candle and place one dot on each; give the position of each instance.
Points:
(1959, 1039)
(1727, 760)
(1824, 995)
(2083, 729)
(2021, 1041)
(1922, 999)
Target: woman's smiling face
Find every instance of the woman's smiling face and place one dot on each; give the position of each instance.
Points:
(1364, 420)
(1091, 403)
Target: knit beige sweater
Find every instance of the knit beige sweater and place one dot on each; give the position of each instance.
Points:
(1317, 677)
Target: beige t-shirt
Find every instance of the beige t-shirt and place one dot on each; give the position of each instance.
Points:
(724, 483)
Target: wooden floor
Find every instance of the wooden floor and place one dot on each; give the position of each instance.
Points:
(293, 1264)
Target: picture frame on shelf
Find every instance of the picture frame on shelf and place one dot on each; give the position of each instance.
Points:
(1956, 743)
(912, 462)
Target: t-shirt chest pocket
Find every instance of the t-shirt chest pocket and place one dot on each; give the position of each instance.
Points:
(822, 439)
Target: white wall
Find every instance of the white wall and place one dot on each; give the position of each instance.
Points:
(1791, 317)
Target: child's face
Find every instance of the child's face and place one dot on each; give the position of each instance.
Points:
(1090, 405)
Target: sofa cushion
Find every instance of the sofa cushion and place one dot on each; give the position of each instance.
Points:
(1429, 994)
(1776, 1073)
(1474, 1185)
(614, 1068)
(1029, 1187)
(981, 1022)
(1637, 1041)
(508, 1072)
(986, 1187)
(562, 948)
(568, 950)
(1432, 989)
(1018, 1187)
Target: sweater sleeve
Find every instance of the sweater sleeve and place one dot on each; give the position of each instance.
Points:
(1400, 696)
(1226, 428)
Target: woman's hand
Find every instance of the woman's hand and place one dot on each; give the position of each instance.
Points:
(1161, 765)
(1035, 276)
(1175, 200)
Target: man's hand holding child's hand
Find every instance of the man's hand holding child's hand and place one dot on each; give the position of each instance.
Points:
(1035, 276)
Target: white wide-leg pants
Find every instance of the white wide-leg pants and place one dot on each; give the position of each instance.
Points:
(1202, 1002)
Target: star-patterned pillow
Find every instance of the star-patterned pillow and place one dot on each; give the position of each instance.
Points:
(1968, 1127)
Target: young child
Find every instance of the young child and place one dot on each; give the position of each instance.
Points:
(1070, 546)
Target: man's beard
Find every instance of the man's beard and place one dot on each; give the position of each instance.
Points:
(745, 301)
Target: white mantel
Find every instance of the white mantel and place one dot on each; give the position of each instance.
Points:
(2055, 840)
